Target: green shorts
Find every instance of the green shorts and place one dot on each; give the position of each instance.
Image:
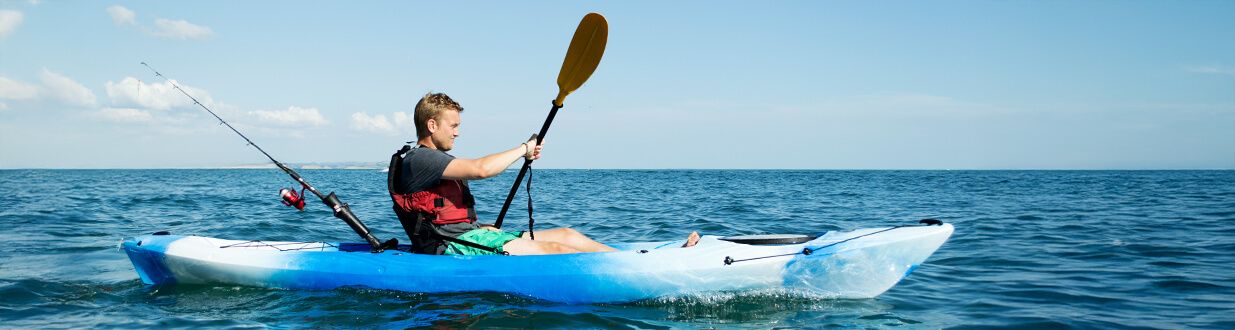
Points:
(485, 237)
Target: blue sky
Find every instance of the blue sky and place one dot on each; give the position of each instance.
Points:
(810, 84)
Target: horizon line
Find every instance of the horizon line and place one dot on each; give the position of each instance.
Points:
(629, 169)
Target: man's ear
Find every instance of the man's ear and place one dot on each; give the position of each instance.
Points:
(431, 124)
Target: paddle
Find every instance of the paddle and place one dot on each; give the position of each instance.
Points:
(586, 48)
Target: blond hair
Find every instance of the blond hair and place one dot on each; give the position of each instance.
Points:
(429, 107)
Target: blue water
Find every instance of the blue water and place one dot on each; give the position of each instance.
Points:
(1083, 249)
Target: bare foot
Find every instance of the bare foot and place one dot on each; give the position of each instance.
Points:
(692, 239)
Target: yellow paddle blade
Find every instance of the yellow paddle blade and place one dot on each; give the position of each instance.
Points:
(586, 48)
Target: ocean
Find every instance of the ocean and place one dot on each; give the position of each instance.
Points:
(1032, 249)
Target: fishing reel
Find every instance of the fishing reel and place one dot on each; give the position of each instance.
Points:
(291, 198)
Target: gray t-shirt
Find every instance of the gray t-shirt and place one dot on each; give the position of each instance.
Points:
(423, 169)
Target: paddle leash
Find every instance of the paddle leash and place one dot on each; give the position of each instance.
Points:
(586, 48)
(341, 209)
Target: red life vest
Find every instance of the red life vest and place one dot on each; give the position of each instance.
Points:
(446, 203)
(450, 201)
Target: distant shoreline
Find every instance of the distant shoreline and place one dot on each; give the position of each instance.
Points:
(383, 168)
(313, 166)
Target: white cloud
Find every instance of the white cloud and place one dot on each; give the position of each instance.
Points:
(126, 115)
(54, 85)
(377, 123)
(163, 28)
(404, 122)
(3, 106)
(162, 96)
(179, 29)
(1212, 69)
(16, 90)
(9, 20)
(66, 89)
(293, 116)
(121, 15)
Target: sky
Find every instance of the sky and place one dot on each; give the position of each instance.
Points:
(683, 84)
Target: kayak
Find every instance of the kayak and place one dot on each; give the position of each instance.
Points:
(861, 263)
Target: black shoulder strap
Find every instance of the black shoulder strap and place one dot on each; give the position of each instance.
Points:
(396, 167)
(468, 199)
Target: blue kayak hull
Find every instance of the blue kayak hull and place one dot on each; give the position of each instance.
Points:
(854, 264)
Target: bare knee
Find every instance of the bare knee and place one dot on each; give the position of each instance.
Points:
(576, 240)
(560, 232)
(557, 235)
(530, 247)
(572, 233)
(557, 248)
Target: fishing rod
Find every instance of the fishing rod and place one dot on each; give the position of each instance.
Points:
(341, 209)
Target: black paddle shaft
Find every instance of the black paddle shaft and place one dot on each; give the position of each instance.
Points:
(527, 164)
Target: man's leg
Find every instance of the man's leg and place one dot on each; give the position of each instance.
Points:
(571, 238)
(523, 246)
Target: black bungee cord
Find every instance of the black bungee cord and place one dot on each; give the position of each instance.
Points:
(808, 251)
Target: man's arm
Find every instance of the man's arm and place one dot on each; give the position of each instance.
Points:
(491, 165)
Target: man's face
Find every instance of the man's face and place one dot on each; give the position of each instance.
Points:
(447, 130)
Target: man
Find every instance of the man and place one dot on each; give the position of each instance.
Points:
(435, 206)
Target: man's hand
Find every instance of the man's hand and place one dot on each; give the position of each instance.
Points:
(531, 149)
